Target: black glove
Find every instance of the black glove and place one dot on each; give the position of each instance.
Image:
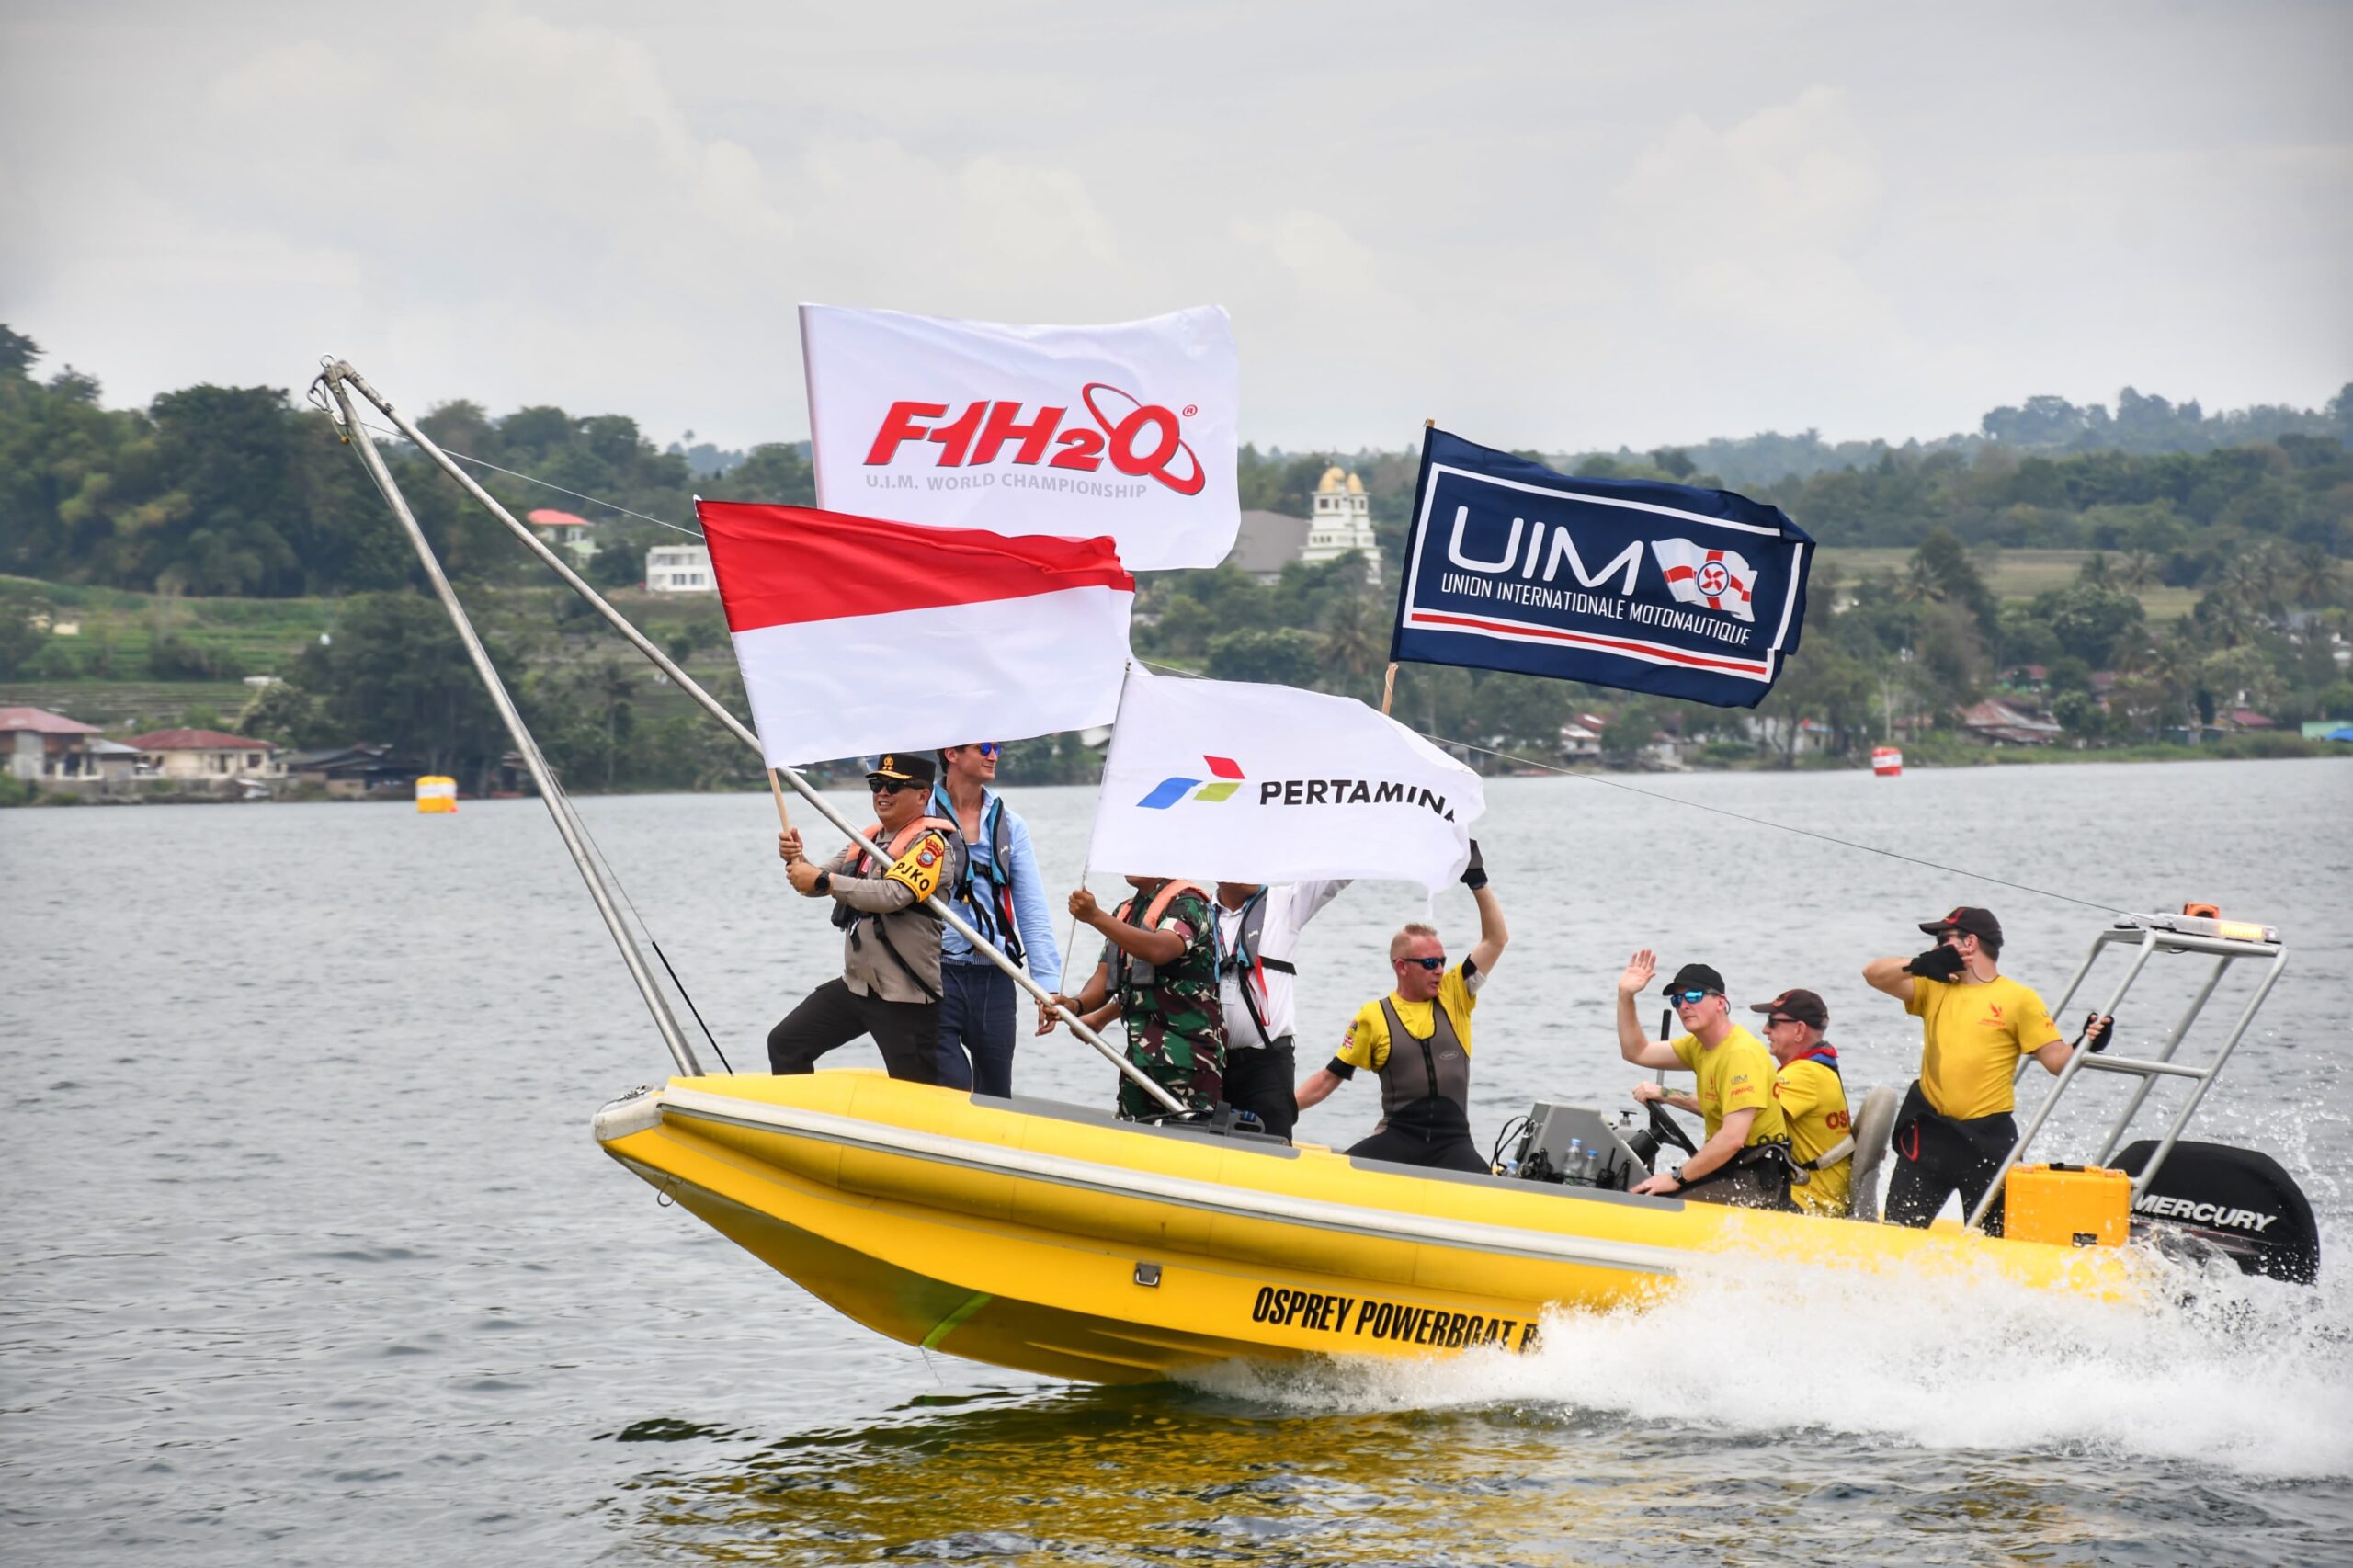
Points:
(1940, 963)
(2097, 1033)
(1474, 875)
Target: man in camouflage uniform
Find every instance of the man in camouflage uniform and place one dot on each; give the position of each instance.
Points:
(1159, 972)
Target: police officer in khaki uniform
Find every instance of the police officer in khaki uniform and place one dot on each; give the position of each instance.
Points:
(890, 981)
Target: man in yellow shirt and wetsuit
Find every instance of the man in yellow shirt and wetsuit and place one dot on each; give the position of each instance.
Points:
(1745, 1158)
(1814, 1099)
(1956, 1126)
(1418, 1039)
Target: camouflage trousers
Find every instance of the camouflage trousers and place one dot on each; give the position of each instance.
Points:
(1190, 1067)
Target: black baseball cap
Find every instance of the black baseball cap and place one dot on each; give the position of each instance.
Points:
(1806, 1007)
(1696, 977)
(1968, 922)
(903, 767)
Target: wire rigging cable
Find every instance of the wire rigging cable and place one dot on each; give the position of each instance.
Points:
(565, 805)
(1723, 812)
(1434, 740)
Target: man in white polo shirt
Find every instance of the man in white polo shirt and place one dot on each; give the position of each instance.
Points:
(1257, 929)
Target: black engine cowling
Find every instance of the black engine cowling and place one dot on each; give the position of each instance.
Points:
(2237, 1200)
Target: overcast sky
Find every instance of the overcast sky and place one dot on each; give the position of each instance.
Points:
(1556, 225)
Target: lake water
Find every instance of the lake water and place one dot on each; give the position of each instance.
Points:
(312, 1257)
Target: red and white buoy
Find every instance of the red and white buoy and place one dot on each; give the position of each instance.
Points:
(1887, 762)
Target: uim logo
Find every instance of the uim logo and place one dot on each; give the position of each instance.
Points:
(1140, 438)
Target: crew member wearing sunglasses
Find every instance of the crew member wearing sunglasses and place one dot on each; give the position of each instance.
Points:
(1005, 902)
(1745, 1160)
(889, 986)
(1418, 1039)
(1813, 1098)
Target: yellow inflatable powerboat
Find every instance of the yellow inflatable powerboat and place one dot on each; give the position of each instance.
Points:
(1059, 1240)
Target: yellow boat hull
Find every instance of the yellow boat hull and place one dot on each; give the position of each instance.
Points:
(1055, 1239)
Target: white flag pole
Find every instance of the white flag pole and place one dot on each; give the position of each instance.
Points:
(1087, 860)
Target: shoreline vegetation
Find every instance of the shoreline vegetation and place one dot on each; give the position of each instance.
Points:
(2064, 585)
(2248, 748)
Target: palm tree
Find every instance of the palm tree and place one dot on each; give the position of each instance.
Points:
(2314, 574)
(1355, 635)
(2139, 570)
(2270, 572)
(613, 686)
(2171, 666)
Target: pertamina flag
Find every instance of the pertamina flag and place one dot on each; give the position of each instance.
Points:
(859, 636)
(1719, 579)
(1235, 781)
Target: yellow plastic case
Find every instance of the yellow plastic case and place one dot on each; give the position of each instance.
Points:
(2067, 1205)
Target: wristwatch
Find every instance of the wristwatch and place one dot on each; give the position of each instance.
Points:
(825, 883)
(1677, 1174)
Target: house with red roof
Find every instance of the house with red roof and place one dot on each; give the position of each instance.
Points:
(41, 747)
(565, 531)
(207, 756)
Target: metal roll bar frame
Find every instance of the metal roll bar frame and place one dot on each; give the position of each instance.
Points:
(2149, 935)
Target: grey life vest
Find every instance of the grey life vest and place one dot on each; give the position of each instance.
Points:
(1244, 963)
(1425, 1084)
(987, 890)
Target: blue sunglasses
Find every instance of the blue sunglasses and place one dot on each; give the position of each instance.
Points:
(1433, 965)
(1692, 997)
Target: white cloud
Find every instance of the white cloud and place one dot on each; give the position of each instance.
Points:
(1569, 225)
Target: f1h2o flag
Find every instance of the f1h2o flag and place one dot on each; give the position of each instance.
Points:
(858, 636)
(1126, 429)
(1663, 588)
(1228, 780)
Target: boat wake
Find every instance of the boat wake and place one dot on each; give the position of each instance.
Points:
(2247, 1375)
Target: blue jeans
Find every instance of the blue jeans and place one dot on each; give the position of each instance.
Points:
(976, 1028)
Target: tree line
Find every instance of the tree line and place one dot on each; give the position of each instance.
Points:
(245, 491)
(212, 490)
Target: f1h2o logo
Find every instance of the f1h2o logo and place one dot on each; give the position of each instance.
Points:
(1226, 778)
(1140, 438)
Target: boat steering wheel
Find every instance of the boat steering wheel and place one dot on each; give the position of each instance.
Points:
(1666, 1129)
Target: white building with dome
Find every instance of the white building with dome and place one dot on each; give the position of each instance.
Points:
(1342, 522)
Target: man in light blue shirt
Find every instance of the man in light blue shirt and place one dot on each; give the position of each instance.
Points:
(1007, 904)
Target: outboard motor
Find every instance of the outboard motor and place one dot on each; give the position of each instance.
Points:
(2237, 1200)
(1873, 1126)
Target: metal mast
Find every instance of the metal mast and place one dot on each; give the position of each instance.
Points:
(558, 808)
(342, 381)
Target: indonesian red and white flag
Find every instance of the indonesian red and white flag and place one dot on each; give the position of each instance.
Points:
(859, 636)
(1719, 579)
(1126, 429)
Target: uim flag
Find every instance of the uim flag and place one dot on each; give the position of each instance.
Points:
(1126, 429)
(1697, 575)
(1668, 588)
(859, 636)
(1224, 780)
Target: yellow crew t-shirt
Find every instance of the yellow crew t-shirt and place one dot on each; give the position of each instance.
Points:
(1813, 1104)
(1366, 1045)
(1736, 1075)
(1971, 1038)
